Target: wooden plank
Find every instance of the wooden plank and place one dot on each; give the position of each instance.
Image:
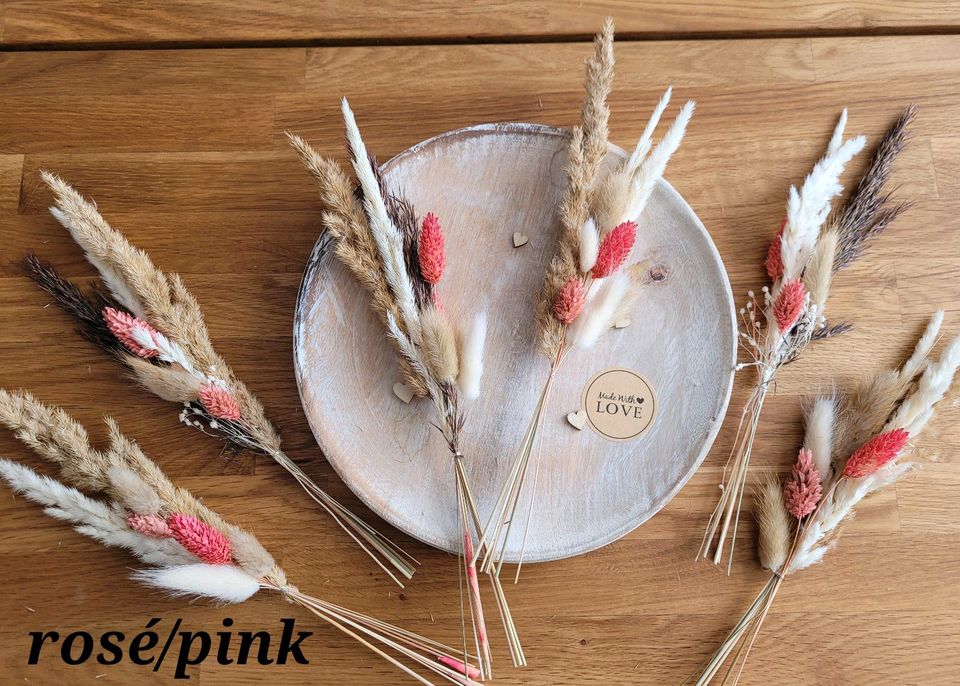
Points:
(208, 185)
(57, 22)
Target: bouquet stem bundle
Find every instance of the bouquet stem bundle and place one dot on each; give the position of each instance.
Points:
(810, 248)
(191, 550)
(400, 260)
(152, 324)
(589, 284)
(852, 448)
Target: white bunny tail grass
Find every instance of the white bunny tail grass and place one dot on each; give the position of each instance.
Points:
(222, 583)
(808, 208)
(598, 314)
(819, 435)
(589, 245)
(471, 357)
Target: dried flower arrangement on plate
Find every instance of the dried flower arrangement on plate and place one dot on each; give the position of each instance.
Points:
(400, 261)
(590, 284)
(810, 248)
(191, 551)
(151, 323)
(854, 445)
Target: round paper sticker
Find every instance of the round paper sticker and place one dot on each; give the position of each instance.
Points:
(620, 404)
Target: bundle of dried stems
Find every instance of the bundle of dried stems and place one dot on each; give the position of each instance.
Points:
(810, 248)
(400, 260)
(189, 549)
(591, 281)
(149, 321)
(854, 445)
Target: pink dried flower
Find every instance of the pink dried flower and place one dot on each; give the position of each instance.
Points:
(802, 492)
(570, 300)
(789, 304)
(219, 403)
(122, 325)
(614, 249)
(149, 525)
(207, 543)
(774, 263)
(875, 453)
(431, 256)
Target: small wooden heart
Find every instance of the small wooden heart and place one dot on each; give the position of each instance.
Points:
(519, 239)
(577, 419)
(403, 391)
(622, 323)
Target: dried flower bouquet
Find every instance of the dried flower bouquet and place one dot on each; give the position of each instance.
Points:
(810, 248)
(590, 283)
(854, 446)
(400, 260)
(189, 549)
(150, 322)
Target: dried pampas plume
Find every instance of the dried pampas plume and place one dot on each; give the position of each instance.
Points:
(774, 520)
(439, 346)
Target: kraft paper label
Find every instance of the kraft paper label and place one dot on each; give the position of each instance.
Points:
(620, 404)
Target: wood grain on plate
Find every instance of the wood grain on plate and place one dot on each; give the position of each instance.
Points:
(486, 183)
(239, 219)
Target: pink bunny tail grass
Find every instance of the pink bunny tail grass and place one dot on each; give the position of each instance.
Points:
(219, 403)
(789, 304)
(122, 325)
(149, 525)
(614, 249)
(570, 300)
(201, 539)
(802, 492)
(875, 453)
(432, 257)
(774, 262)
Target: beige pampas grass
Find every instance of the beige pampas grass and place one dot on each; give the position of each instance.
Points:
(171, 383)
(588, 146)
(774, 521)
(131, 490)
(819, 273)
(589, 245)
(819, 419)
(439, 346)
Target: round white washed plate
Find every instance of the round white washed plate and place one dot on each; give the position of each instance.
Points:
(486, 183)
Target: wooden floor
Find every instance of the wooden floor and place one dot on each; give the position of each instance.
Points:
(172, 118)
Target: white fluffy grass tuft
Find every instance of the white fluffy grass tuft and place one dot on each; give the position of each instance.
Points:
(224, 583)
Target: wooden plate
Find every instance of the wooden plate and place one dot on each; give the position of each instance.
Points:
(485, 183)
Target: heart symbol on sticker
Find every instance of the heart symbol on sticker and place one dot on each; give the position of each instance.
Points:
(403, 391)
(577, 419)
(519, 239)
